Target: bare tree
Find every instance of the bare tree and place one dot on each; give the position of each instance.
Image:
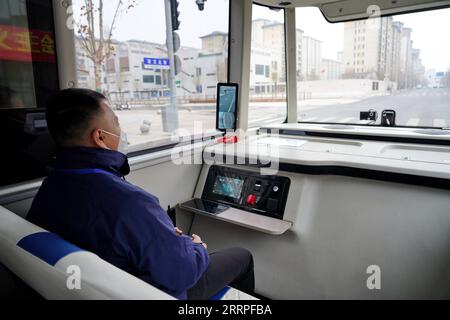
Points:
(95, 39)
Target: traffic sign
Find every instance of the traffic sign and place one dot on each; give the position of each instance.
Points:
(150, 63)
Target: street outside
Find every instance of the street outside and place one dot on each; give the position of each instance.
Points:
(419, 107)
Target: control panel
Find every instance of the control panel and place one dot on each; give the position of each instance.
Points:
(246, 190)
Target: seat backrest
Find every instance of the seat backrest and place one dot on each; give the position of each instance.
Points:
(52, 266)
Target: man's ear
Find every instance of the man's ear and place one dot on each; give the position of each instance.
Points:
(98, 139)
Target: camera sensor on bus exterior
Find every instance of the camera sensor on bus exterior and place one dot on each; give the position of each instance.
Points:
(371, 115)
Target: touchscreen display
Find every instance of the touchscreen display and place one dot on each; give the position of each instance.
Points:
(229, 187)
(205, 206)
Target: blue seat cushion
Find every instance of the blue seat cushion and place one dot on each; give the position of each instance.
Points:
(218, 296)
(47, 246)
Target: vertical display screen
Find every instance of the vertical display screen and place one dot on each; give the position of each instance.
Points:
(227, 107)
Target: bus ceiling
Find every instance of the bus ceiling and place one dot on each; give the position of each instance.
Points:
(347, 10)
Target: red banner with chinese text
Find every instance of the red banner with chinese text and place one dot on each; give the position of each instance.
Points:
(22, 44)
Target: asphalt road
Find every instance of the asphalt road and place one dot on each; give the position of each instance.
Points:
(420, 108)
(424, 108)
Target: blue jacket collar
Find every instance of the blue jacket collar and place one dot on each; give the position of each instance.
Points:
(92, 158)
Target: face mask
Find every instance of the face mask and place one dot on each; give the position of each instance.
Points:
(123, 141)
(123, 144)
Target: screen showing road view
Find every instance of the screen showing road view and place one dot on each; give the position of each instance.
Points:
(228, 187)
(399, 63)
(227, 107)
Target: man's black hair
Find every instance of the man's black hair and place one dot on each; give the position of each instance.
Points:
(70, 111)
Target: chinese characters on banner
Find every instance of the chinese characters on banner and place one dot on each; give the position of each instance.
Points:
(21, 44)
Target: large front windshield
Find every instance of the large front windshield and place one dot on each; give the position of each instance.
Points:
(399, 63)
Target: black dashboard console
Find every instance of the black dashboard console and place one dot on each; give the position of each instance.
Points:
(246, 190)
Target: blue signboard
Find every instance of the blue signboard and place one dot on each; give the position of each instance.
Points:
(440, 74)
(156, 62)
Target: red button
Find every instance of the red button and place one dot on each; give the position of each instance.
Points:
(251, 200)
(228, 140)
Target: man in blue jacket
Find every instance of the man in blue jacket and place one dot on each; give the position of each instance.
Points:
(87, 201)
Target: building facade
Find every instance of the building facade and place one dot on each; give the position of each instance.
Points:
(375, 49)
(139, 70)
(381, 49)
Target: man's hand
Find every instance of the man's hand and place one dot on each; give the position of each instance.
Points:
(197, 239)
(178, 231)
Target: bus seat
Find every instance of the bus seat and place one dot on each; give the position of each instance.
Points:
(229, 293)
(45, 262)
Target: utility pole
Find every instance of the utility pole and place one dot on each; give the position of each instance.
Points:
(170, 112)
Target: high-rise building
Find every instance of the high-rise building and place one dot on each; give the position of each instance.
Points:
(405, 58)
(216, 42)
(396, 50)
(362, 50)
(380, 49)
(268, 63)
(311, 58)
(330, 69)
(274, 38)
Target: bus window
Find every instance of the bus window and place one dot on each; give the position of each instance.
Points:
(28, 71)
(268, 99)
(28, 76)
(135, 70)
(399, 63)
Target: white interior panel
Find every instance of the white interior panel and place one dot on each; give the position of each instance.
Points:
(170, 182)
(342, 226)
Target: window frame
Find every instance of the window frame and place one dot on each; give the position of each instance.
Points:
(167, 146)
(382, 15)
(212, 135)
(46, 79)
(286, 52)
(392, 137)
(39, 93)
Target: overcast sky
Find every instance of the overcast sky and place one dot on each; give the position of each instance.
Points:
(147, 21)
(430, 34)
(431, 30)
